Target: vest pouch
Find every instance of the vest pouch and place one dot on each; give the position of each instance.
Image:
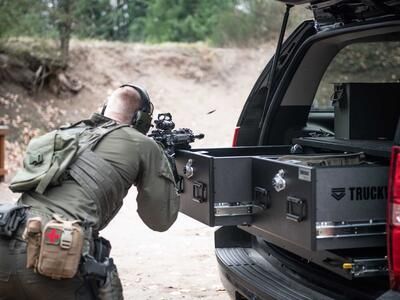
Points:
(60, 249)
(32, 235)
(46, 159)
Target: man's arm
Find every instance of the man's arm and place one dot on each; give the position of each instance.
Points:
(158, 201)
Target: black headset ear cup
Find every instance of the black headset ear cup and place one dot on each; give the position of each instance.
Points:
(142, 121)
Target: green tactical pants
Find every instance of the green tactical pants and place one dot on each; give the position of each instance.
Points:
(19, 283)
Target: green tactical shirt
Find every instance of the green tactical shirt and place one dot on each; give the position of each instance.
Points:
(139, 160)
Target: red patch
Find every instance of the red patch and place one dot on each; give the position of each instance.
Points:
(52, 236)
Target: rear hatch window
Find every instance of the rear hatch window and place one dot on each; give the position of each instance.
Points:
(372, 62)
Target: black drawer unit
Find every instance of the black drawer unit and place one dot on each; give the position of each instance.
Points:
(216, 187)
(322, 207)
(289, 202)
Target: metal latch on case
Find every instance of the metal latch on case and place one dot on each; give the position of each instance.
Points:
(188, 169)
(278, 182)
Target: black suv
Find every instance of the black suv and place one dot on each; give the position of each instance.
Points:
(308, 197)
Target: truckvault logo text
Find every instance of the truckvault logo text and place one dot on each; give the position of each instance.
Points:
(361, 193)
(368, 193)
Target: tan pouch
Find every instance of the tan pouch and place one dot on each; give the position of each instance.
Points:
(61, 248)
(32, 235)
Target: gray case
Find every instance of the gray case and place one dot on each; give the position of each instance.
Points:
(319, 208)
(323, 207)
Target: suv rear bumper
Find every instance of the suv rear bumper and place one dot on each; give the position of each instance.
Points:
(247, 275)
(251, 268)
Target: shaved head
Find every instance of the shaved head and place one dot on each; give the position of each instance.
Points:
(122, 104)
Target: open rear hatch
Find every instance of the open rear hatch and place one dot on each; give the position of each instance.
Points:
(329, 12)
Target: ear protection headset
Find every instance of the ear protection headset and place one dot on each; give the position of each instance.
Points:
(141, 119)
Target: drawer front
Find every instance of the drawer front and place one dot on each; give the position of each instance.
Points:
(196, 196)
(351, 193)
(215, 190)
(320, 208)
(290, 212)
(351, 207)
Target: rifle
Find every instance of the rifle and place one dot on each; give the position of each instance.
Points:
(172, 139)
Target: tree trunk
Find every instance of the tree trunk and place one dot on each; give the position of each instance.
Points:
(65, 28)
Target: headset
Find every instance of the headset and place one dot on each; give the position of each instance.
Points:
(141, 119)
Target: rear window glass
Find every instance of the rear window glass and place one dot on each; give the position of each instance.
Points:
(363, 62)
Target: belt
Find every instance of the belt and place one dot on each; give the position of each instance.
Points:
(21, 227)
(17, 236)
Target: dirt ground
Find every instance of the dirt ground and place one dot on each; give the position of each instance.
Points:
(204, 89)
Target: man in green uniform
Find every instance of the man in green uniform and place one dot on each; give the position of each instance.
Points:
(92, 190)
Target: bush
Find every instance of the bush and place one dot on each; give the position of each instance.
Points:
(181, 20)
(251, 22)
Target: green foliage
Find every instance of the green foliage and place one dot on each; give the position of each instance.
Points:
(223, 22)
(181, 20)
(251, 22)
(111, 20)
(93, 19)
(24, 18)
(25, 49)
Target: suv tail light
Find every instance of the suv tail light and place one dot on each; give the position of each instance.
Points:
(235, 137)
(393, 219)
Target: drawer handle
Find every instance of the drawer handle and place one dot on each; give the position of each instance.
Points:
(199, 192)
(296, 209)
(262, 197)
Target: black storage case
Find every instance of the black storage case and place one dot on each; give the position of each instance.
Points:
(221, 181)
(320, 208)
(366, 111)
(323, 207)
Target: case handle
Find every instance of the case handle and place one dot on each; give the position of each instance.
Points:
(296, 209)
(199, 192)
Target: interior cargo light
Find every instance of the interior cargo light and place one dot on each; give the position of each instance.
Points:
(347, 266)
(393, 219)
(235, 137)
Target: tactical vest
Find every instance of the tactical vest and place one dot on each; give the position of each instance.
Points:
(69, 153)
